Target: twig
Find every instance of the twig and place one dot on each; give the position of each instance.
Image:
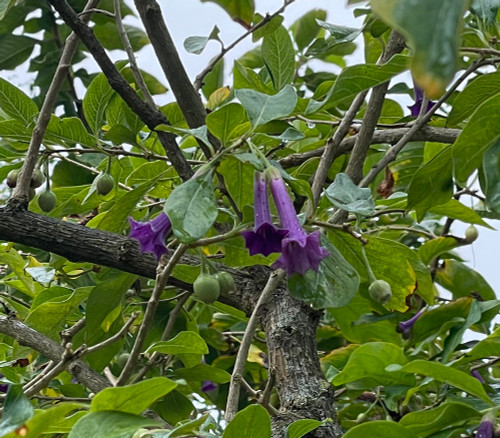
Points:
(24, 178)
(161, 280)
(402, 228)
(198, 83)
(241, 358)
(68, 334)
(392, 153)
(216, 239)
(481, 51)
(165, 335)
(346, 228)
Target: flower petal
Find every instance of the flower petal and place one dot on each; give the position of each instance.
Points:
(264, 240)
(151, 235)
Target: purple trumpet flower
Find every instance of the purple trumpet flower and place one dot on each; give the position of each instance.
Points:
(151, 235)
(419, 97)
(208, 385)
(300, 251)
(405, 326)
(265, 237)
(486, 428)
(477, 375)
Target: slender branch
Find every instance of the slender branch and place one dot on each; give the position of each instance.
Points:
(152, 117)
(389, 136)
(402, 228)
(68, 334)
(241, 358)
(392, 153)
(198, 83)
(161, 281)
(24, 178)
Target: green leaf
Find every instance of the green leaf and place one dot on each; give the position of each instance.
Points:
(301, 427)
(174, 407)
(476, 138)
(108, 36)
(16, 104)
(5, 5)
(95, 102)
(252, 422)
(17, 410)
(353, 80)
(489, 177)
(386, 429)
(132, 399)
(432, 184)
(344, 194)
(262, 108)
(14, 50)
(306, 28)
(225, 122)
(479, 90)
(202, 372)
(189, 428)
(446, 374)
(236, 254)
(369, 362)
(238, 177)
(213, 80)
(110, 424)
(435, 44)
(191, 208)
(456, 210)
(11, 258)
(68, 131)
(240, 11)
(428, 422)
(183, 343)
(489, 346)
(279, 56)
(103, 300)
(196, 44)
(485, 10)
(338, 35)
(435, 247)
(334, 285)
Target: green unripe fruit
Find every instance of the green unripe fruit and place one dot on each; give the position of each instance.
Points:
(37, 179)
(12, 178)
(226, 282)
(47, 200)
(471, 234)
(380, 291)
(361, 418)
(206, 288)
(104, 184)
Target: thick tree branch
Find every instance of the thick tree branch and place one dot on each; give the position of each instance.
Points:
(152, 117)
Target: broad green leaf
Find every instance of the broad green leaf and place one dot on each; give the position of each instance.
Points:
(95, 102)
(244, 77)
(432, 184)
(338, 35)
(306, 28)
(334, 285)
(236, 254)
(14, 50)
(480, 89)
(16, 104)
(191, 208)
(368, 363)
(352, 80)
(196, 44)
(241, 11)
(476, 138)
(5, 6)
(485, 10)
(120, 117)
(301, 427)
(183, 343)
(456, 210)
(225, 121)
(202, 372)
(188, 428)
(386, 429)
(42, 274)
(430, 421)
(262, 108)
(68, 131)
(153, 84)
(253, 421)
(489, 177)
(11, 258)
(489, 346)
(213, 80)
(104, 299)
(463, 281)
(110, 424)
(238, 177)
(446, 374)
(279, 57)
(435, 247)
(344, 194)
(132, 399)
(435, 44)
(174, 407)
(17, 410)
(108, 36)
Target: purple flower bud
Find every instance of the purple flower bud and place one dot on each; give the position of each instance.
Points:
(486, 429)
(477, 375)
(265, 237)
(300, 251)
(208, 385)
(419, 97)
(151, 235)
(405, 326)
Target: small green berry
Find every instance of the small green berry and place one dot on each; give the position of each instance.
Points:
(37, 179)
(47, 201)
(206, 288)
(226, 282)
(380, 291)
(11, 179)
(104, 184)
(471, 234)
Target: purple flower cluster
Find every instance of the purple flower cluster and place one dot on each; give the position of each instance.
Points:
(151, 235)
(299, 251)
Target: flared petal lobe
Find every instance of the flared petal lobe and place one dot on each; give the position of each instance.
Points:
(151, 235)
